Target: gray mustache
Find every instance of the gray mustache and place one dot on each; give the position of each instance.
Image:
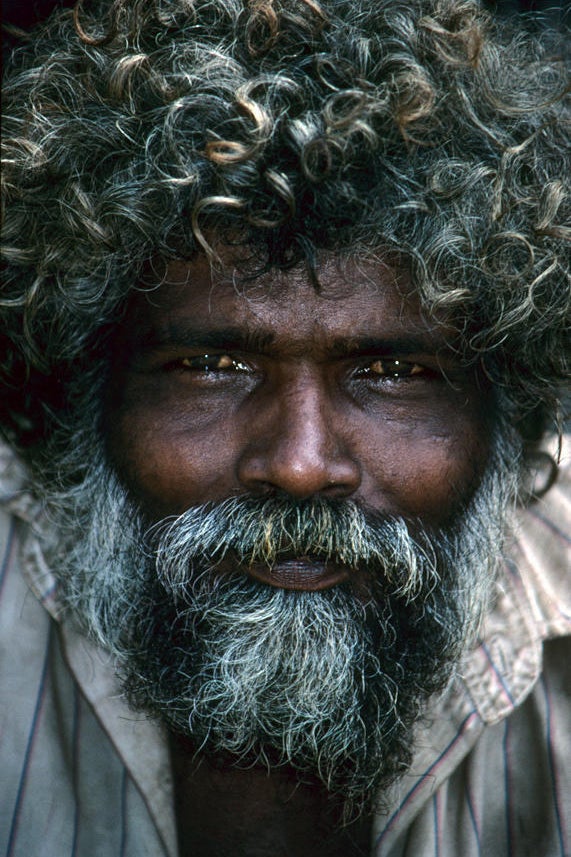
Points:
(262, 530)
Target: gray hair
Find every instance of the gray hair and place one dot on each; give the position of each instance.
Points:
(134, 130)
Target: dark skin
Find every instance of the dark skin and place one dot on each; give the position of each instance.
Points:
(225, 810)
(221, 389)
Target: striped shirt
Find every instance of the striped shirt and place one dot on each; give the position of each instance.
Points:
(81, 775)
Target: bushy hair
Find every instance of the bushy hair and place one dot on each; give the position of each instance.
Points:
(134, 129)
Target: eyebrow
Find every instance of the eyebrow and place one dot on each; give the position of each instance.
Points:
(387, 345)
(181, 334)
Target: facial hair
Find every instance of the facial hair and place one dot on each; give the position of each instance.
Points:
(328, 682)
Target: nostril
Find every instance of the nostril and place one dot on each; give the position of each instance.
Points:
(299, 476)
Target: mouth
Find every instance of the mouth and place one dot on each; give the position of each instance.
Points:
(303, 573)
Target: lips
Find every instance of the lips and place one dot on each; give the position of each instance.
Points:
(299, 573)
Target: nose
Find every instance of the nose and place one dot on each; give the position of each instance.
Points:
(295, 445)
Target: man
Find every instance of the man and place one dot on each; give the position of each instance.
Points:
(285, 323)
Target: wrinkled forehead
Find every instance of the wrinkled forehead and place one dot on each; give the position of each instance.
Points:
(339, 298)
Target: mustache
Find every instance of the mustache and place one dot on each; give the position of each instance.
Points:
(250, 530)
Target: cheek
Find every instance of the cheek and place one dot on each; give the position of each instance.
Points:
(170, 465)
(427, 466)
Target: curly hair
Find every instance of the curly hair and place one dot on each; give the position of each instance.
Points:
(134, 129)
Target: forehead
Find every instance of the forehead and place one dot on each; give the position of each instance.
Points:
(352, 298)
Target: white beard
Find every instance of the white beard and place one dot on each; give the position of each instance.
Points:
(318, 680)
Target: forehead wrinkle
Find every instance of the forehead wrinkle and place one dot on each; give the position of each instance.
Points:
(358, 307)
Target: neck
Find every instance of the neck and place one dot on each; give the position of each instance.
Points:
(222, 809)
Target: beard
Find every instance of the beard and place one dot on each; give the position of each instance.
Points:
(328, 682)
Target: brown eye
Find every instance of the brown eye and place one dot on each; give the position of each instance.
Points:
(210, 363)
(394, 369)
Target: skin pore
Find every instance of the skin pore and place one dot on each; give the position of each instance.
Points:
(223, 387)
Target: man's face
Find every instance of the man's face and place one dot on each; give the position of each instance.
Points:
(289, 531)
(224, 388)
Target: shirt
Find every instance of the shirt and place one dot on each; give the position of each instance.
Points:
(81, 775)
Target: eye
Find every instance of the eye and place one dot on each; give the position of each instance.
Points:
(393, 369)
(210, 363)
